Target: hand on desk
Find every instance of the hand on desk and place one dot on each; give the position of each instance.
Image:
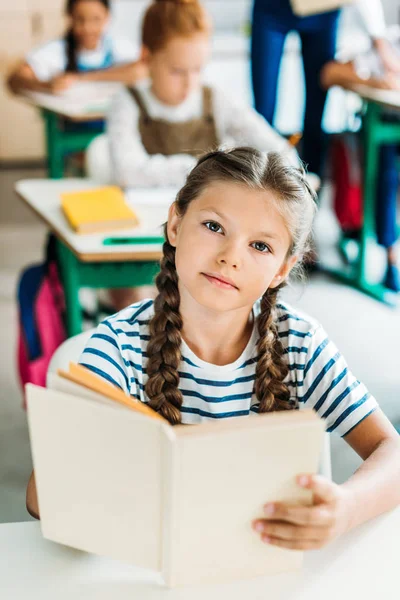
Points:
(389, 57)
(308, 527)
(136, 72)
(63, 82)
(390, 81)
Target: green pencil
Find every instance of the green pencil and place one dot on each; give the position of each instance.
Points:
(139, 240)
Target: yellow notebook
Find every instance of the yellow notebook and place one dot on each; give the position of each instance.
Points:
(101, 209)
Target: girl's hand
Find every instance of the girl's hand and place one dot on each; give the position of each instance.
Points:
(135, 72)
(308, 527)
(389, 57)
(63, 82)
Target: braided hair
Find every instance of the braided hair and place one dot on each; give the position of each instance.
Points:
(296, 202)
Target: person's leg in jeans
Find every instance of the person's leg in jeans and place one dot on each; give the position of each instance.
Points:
(318, 38)
(386, 201)
(267, 41)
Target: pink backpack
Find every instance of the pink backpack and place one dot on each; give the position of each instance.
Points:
(41, 318)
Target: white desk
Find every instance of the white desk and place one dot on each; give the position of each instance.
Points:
(43, 196)
(363, 564)
(84, 260)
(81, 102)
(388, 98)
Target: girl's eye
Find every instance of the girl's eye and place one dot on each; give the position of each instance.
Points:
(213, 226)
(261, 247)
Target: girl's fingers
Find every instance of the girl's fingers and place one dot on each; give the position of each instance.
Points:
(286, 531)
(320, 516)
(295, 544)
(323, 489)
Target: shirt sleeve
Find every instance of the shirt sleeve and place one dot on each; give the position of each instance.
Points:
(103, 356)
(373, 17)
(48, 61)
(328, 386)
(124, 51)
(242, 125)
(131, 164)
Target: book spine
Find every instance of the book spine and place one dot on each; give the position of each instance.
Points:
(170, 506)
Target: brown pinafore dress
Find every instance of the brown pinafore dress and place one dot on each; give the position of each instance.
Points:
(192, 137)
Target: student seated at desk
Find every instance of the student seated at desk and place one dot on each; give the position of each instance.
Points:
(86, 53)
(157, 128)
(217, 342)
(368, 69)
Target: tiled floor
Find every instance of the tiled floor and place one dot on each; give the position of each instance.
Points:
(365, 331)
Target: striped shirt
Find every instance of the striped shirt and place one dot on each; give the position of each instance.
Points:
(318, 376)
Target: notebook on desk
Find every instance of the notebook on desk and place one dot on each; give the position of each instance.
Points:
(179, 500)
(98, 210)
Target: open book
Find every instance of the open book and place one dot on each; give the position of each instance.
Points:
(180, 500)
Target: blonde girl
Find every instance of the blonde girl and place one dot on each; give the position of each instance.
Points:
(159, 127)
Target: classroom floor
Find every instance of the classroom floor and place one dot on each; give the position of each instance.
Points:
(363, 329)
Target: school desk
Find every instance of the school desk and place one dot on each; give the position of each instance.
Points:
(376, 131)
(362, 564)
(72, 119)
(85, 260)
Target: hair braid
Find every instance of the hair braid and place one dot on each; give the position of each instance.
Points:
(271, 369)
(295, 201)
(70, 49)
(164, 347)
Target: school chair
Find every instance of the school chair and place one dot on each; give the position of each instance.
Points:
(71, 349)
(98, 161)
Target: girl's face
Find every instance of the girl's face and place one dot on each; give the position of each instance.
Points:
(231, 246)
(176, 69)
(89, 19)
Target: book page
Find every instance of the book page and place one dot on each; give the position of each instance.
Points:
(98, 475)
(222, 481)
(60, 384)
(311, 7)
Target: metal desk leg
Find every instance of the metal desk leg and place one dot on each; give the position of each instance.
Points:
(54, 146)
(69, 271)
(375, 134)
(371, 164)
(373, 137)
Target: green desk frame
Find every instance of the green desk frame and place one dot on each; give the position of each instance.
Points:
(76, 274)
(59, 141)
(376, 132)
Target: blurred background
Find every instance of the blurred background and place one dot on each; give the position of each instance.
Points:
(364, 329)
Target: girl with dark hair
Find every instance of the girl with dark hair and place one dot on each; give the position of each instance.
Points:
(217, 342)
(86, 53)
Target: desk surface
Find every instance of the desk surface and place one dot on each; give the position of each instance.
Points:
(388, 98)
(81, 102)
(151, 205)
(362, 564)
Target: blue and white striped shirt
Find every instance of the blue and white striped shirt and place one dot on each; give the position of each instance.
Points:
(318, 376)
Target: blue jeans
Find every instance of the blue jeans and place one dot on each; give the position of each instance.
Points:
(386, 196)
(272, 21)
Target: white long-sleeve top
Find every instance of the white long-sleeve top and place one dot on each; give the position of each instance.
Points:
(373, 17)
(132, 166)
